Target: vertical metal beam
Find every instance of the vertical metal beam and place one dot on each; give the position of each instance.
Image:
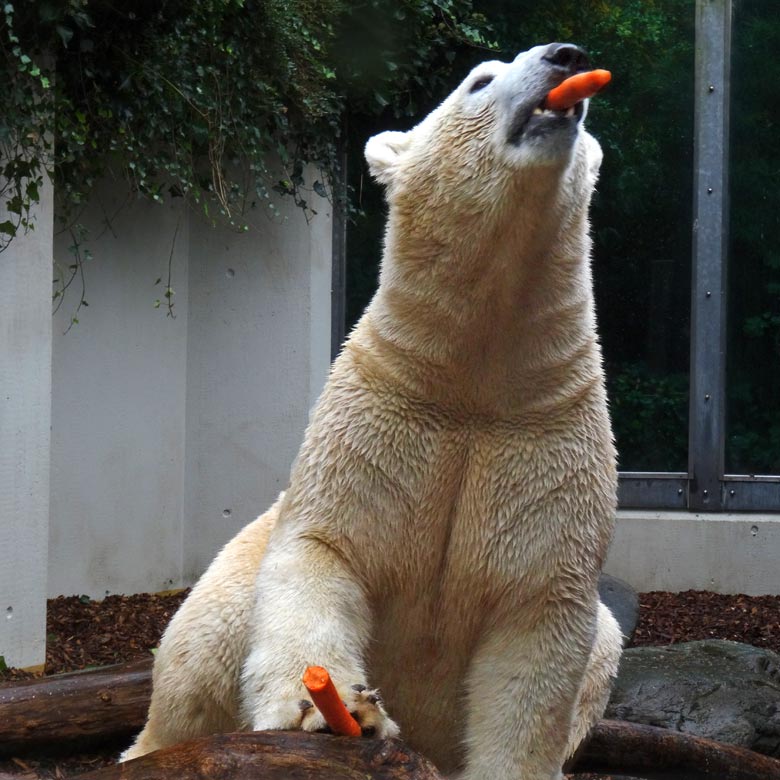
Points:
(710, 237)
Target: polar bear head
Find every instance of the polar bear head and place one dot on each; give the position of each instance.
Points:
(490, 157)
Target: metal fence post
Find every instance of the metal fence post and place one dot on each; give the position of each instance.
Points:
(710, 241)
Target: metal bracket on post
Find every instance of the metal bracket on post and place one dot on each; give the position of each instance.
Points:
(710, 237)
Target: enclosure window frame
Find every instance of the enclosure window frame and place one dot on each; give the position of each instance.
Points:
(706, 487)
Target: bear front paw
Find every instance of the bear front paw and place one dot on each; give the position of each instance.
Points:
(366, 707)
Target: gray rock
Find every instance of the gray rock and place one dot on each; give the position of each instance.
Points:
(722, 690)
(623, 601)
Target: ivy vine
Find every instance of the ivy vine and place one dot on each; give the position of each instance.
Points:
(193, 99)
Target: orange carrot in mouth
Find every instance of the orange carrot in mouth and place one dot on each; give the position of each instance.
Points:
(327, 700)
(577, 88)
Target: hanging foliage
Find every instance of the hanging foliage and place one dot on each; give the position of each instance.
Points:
(174, 95)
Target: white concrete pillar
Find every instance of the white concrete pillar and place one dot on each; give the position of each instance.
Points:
(258, 355)
(118, 406)
(25, 416)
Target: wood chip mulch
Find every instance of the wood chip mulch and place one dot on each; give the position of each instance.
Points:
(670, 618)
(56, 768)
(82, 633)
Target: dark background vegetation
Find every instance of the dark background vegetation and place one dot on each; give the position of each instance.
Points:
(641, 212)
(642, 217)
(173, 95)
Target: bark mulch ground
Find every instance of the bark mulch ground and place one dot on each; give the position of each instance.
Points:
(669, 618)
(82, 633)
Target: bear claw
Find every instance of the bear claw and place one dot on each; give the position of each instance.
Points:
(366, 706)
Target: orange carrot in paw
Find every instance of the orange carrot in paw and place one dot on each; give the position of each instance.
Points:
(577, 88)
(325, 696)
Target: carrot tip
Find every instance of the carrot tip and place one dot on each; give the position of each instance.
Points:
(315, 678)
(328, 702)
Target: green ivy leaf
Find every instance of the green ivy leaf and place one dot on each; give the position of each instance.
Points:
(65, 33)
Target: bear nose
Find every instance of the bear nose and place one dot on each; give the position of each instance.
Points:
(567, 56)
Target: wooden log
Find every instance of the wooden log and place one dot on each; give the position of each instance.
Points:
(275, 755)
(74, 710)
(655, 753)
(645, 751)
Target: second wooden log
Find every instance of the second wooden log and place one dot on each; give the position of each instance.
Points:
(73, 710)
(276, 755)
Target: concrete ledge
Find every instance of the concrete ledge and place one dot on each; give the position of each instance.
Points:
(725, 553)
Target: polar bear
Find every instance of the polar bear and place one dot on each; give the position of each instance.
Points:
(451, 505)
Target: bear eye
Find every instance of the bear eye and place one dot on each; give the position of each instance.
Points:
(481, 83)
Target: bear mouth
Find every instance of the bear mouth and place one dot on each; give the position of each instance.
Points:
(541, 121)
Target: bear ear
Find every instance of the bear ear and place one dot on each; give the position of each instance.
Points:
(383, 154)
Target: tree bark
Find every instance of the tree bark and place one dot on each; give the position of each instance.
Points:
(74, 709)
(650, 752)
(275, 755)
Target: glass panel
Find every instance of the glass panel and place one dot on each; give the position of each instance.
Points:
(642, 228)
(641, 213)
(366, 221)
(753, 372)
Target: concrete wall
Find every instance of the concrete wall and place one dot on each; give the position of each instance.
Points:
(682, 550)
(118, 411)
(25, 413)
(170, 434)
(258, 355)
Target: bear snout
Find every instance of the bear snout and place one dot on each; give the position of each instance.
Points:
(533, 130)
(569, 58)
